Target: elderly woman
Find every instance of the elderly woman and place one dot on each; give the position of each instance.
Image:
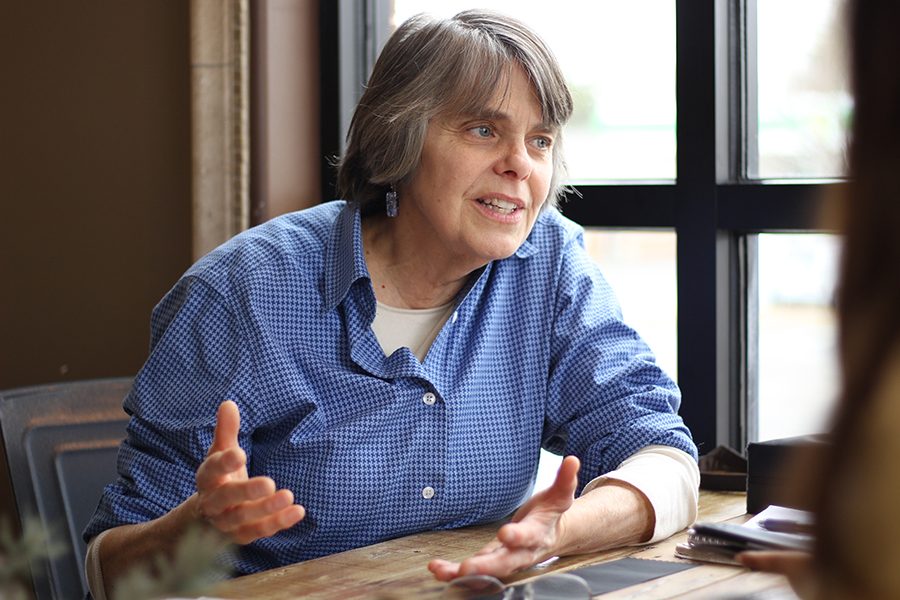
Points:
(394, 362)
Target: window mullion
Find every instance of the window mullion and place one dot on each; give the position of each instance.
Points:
(707, 362)
(750, 94)
(623, 206)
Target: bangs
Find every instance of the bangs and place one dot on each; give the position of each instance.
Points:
(472, 81)
(480, 67)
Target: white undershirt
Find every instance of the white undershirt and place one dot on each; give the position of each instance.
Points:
(413, 328)
(669, 478)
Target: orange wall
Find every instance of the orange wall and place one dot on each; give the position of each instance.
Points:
(96, 182)
(95, 186)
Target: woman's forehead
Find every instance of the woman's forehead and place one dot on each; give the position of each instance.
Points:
(492, 99)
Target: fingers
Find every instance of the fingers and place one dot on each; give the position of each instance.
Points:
(269, 526)
(511, 534)
(785, 562)
(443, 570)
(225, 459)
(228, 423)
(244, 509)
(566, 482)
(249, 510)
(499, 563)
(534, 524)
(229, 495)
(236, 516)
(532, 535)
(220, 466)
(797, 566)
(492, 546)
(496, 558)
(559, 496)
(529, 538)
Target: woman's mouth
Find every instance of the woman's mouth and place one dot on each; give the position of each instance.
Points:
(497, 205)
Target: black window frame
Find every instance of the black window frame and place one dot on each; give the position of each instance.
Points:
(713, 205)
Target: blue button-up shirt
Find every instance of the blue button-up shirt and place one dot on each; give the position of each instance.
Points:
(373, 446)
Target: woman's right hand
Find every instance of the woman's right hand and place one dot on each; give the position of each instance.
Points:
(243, 508)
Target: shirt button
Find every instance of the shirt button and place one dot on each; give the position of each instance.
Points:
(455, 316)
(428, 492)
(428, 398)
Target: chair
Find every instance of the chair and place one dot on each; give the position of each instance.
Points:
(59, 449)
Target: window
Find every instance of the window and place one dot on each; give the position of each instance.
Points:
(804, 103)
(804, 108)
(797, 374)
(640, 267)
(623, 126)
(732, 194)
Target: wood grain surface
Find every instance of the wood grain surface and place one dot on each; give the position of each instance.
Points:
(396, 569)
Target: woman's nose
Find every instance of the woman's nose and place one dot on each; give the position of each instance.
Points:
(514, 161)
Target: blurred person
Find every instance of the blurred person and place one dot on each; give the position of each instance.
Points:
(857, 551)
(393, 362)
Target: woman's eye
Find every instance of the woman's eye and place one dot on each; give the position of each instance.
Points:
(482, 131)
(543, 143)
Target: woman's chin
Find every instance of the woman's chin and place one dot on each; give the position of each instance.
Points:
(500, 249)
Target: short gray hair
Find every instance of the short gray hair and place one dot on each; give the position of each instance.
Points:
(435, 66)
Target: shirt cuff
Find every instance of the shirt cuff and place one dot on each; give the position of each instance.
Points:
(669, 478)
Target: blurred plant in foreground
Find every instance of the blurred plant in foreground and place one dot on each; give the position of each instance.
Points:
(18, 552)
(200, 559)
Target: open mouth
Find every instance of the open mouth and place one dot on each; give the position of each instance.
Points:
(497, 205)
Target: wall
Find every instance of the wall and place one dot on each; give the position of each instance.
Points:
(95, 182)
(285, 106)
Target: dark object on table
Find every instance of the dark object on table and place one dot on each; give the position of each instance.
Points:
(625, 572)
(721, 542)
(771, 469)
(723, 469)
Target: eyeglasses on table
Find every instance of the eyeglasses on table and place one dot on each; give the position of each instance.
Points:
(561, 586)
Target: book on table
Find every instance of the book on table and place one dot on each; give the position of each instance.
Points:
(775, 528)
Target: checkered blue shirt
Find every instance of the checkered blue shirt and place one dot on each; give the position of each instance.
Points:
(375, 447)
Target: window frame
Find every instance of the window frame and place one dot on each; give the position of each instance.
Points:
(713, 206)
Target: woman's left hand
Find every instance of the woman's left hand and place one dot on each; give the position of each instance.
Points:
(531, 537)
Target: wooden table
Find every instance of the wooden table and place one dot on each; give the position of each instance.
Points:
(396, 569)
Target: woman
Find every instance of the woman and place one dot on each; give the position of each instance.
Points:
(396, 362)
(858, 491)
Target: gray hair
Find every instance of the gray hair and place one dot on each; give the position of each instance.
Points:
(442, 66)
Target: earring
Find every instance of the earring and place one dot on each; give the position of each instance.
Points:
(390, 201)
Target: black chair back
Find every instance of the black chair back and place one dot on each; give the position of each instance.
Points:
(59, 450)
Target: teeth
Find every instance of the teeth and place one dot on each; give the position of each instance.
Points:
(499, 204)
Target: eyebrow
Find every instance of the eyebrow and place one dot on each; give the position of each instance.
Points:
(493, 114)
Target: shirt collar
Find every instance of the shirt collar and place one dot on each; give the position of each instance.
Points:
(527, 248)
(344, 259)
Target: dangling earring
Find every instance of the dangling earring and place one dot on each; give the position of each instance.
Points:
(390, 201)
